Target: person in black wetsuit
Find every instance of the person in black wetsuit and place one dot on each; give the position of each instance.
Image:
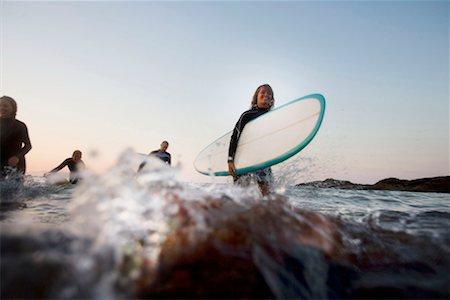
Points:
(14, 139)
(161, 153)
(263, 100)
(75, 165)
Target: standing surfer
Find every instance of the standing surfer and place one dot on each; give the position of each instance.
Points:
(14, 139)
(263, 100)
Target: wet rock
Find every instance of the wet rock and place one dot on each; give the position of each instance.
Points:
(334, 183)
(267, 251)
(433, 184)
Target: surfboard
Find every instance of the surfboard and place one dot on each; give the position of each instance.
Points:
(267, 140)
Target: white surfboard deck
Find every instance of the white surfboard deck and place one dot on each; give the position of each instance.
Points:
(267, 140)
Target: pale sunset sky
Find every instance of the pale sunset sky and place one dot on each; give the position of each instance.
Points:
(104, 76)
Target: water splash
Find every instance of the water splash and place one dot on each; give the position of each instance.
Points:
(145, 234)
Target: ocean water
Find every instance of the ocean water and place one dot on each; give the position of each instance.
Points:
(124, 235)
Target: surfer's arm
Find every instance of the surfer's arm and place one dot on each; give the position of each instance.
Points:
(245, 117)
(26, 142)
(62, 165)
(233, 145)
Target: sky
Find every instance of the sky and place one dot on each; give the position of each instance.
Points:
(106, 76)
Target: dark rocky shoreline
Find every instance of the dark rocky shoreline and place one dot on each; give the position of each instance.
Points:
(433, 184)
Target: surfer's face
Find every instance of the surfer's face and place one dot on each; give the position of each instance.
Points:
(264, 98)
(164, 146)
(76, 156)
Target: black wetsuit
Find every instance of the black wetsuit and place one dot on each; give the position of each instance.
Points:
(14, 141)
(162, 155)
(264, 175)
(74, 168)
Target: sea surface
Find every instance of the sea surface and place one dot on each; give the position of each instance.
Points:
(124, 235)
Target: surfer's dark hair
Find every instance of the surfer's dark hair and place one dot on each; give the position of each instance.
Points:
(11, 102)
(255, 96)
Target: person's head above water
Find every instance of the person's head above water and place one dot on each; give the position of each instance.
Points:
(76, 156)
(8, 107)
(263, 97)
(164, 146)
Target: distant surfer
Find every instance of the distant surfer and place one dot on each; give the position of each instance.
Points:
(75, 165)
(14, 139)
(161, 153)
(263, 100)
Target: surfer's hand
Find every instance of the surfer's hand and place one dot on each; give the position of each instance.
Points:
(13, 161)
(231, 168)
